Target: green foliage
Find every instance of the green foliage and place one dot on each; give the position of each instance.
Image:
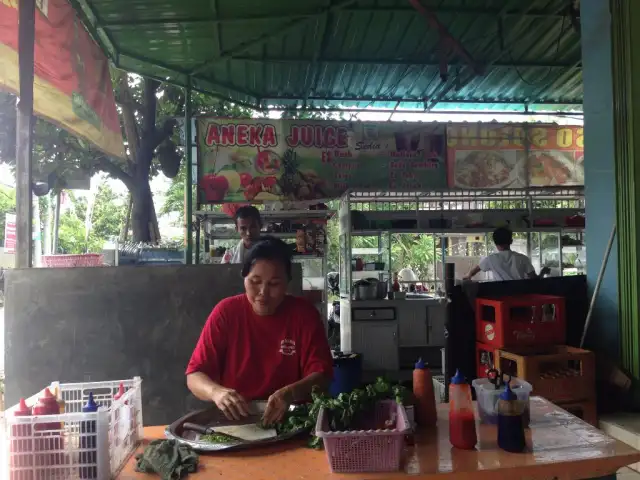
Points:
(7, 205)
(345, 411)
(108, 213)
(107, 219)
(416, 252)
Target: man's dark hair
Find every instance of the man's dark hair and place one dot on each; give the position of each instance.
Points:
(268, 248)
(248, 212)
(503, 237)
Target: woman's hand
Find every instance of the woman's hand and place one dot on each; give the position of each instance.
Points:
(230, 403)
(277, 406)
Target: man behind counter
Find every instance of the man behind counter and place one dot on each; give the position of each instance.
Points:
(248, 225)
(506, 264)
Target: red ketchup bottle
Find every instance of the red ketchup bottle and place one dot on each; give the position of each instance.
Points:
(462, 423)
(47, 435)
(20, 466)
(425, 404)
(120, 393)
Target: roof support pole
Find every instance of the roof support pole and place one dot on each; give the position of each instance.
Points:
(188, 183)
(24, 132)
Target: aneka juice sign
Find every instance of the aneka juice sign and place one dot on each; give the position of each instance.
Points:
(72, 84)
(504, 156)
(263, 160)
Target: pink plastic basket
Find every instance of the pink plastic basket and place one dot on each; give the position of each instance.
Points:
(358, 451)
(85, 260)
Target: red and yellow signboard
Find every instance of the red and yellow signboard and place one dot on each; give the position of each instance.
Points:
(511, 156)
(72, 85)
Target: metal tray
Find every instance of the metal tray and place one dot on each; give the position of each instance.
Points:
(213, 417)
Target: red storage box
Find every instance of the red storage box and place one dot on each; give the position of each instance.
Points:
(521, 320)
(485, 359)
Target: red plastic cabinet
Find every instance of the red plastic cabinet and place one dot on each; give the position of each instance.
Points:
(521, 320)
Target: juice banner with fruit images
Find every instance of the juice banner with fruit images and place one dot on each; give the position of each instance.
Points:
(304, 160)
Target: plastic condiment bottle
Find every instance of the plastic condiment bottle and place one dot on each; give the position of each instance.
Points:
(48, 405)
(120, 392)
(123, 417)
(21, 443)
(88, 440)
(425, 404)
(462, 423)
(58, 394)
(396, 283)
(511, 422)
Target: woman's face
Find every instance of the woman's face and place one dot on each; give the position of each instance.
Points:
(266, 286)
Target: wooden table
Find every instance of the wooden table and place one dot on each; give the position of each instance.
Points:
(560, 447)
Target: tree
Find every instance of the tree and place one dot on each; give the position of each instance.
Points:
(107, 217)
(108, 213)
(7, 205)
(148, 112)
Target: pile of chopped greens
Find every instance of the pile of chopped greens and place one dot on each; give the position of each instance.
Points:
(344, 411)
(218, 438)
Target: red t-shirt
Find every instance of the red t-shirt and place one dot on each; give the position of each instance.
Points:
(257, 355)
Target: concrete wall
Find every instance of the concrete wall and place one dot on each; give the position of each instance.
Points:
(95, 324)
(600, 185)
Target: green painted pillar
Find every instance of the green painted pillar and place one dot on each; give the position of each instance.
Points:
(610, 34)
(188, 184)
(625, 39)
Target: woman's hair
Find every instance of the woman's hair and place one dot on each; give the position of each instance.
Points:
(268, 248)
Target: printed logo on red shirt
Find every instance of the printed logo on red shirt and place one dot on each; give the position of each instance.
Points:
(288, 347)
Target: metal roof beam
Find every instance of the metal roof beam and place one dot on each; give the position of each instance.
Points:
(447, 39)
(321, 46)
(368, 99)
(446, 88)
(296, 23)
(92, 23)
(498, 113)
(180, 76)
(118, 22)
(396, 61)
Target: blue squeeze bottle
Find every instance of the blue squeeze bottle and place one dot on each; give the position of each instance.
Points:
(88, 442)
(511, 422)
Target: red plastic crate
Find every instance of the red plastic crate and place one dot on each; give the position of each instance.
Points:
(521, 320)
(559, 373)
(485, 359)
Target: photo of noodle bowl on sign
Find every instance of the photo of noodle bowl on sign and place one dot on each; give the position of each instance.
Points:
(487, 169)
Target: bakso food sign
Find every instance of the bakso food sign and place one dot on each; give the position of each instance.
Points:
(462, 137)
(265, 135)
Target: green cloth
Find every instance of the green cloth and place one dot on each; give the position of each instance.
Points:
(168, 458)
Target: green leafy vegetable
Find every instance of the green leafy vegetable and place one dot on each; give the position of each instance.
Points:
(345, 410)
(218, 438)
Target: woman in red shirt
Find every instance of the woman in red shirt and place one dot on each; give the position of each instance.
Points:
(263, 344)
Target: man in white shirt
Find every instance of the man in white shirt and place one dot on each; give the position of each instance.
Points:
(248, 225)
(506, 264)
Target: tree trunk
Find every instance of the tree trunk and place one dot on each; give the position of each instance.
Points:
(124, 233)
(141, 213)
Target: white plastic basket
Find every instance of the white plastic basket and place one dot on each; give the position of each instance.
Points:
(75, 445)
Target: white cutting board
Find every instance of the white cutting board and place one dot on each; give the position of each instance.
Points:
(250, 432)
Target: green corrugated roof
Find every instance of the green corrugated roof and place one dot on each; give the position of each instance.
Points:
(359, 53)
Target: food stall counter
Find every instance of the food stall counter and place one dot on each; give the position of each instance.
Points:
(559, 446)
